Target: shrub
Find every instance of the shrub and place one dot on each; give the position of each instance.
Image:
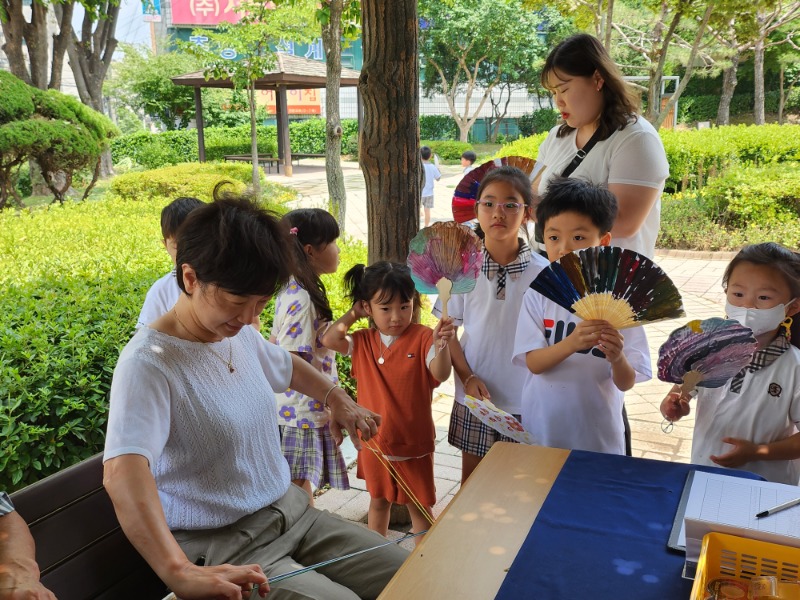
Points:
(528, 146)
(437, 127)
(187, 179)
(153, 150)
(447, 150)
(539, 121)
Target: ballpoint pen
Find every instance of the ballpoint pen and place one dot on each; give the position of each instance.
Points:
(780, 507)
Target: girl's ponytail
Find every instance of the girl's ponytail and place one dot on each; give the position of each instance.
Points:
(352, 282)
(315, 227)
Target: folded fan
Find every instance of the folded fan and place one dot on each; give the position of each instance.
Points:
(445, 258)
(705, 353)
(499, 420)
(466, 193)
(611, 284)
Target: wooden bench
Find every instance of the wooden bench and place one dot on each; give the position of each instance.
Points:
(80, 547)
(264, 160)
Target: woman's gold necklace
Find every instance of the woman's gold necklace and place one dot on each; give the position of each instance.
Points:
(228, 362)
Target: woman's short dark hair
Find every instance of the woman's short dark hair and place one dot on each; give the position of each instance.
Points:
(569, 194)
(236, 245)
(581, 55)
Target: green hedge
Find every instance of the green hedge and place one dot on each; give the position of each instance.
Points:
(308, 136)
(446, 149)
(746, 206)
(73, 282)
(191, 179)
(437, 127)
(705, 107)
(154, 150)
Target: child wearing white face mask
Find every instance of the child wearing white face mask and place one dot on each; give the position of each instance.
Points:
(751, 423)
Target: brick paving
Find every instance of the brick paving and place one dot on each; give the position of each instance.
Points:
(697, 275)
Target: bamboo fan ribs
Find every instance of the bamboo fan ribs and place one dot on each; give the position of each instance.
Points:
(611, 284)
(445, 258)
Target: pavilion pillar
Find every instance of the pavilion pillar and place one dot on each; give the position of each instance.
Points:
(198, 120)
(284, 148)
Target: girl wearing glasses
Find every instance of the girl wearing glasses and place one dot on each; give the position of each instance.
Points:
(489, 313)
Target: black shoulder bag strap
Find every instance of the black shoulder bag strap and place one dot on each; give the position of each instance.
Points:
(576, 160)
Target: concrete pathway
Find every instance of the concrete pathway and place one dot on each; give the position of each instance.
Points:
(697, 275)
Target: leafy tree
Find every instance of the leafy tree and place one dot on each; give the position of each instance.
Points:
(477, 44)
(261, 23)
(57, 131)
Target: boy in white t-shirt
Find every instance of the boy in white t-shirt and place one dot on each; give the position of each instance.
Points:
(579, 370)
(431, 174)
(164, 293)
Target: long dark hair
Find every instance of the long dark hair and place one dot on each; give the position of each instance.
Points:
(236, 245)
(780, 258)
(318, 228)
(581, 55)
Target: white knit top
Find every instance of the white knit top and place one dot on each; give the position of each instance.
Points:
(210, 436)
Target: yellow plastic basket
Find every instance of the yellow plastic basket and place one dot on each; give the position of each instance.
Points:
(734, 557)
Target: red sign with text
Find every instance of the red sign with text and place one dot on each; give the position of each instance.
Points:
(298, 102)
(204, 12)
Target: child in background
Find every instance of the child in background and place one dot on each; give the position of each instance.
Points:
(432, 174)
(752, 421)
(302, 314)
(489, 314)
(396, 364)
(579, 370)
(468, 159)
(164, 293)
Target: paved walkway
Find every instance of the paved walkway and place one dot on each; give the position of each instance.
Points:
(697, 275)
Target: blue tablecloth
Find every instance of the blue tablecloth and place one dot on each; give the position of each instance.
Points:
(602, 533)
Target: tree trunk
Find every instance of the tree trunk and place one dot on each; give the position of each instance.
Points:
(758, 81)
(90, 57)
(389, 86)
(251, 103)
(782, 97)
(729, 82)
(332, 40)
(609, 28)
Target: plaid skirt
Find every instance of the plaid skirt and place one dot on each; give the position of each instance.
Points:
(471, 435)
(313, 455)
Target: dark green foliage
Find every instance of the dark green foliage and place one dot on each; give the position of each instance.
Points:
(55, 130)
(17, 100)
(437, 127)
(539, 121)
(172, 147)
(704, 108)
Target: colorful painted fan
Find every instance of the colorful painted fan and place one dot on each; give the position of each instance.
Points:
(497, 419)
(445, 258)
(705, 353)
(615, 285)
(466, 193)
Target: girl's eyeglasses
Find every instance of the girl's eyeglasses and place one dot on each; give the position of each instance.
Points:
(488, 206)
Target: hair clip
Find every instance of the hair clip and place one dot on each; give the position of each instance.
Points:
(293, 231)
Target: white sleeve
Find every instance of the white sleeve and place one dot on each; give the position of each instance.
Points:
(530, 328)
(275, 361)
(639, 160)
(139, 410)
(160, 299)
(637, 352)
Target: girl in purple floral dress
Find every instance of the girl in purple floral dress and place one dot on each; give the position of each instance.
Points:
(302, 314)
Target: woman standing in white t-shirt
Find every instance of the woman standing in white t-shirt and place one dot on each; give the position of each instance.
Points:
(597, 105)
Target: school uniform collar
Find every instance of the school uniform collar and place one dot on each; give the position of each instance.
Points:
(761, 360)
(515, 268)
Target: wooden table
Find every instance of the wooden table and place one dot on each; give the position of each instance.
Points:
(471, 546)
